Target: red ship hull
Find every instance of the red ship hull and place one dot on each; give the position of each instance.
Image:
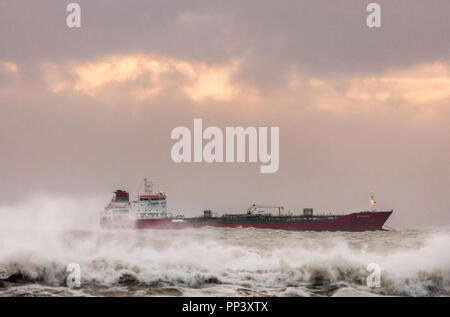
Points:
(360, 221)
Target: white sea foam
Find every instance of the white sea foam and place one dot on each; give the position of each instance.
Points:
(213, 261)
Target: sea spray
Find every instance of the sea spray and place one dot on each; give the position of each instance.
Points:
(227, 261)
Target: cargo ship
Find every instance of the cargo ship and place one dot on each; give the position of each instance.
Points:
(149, 211)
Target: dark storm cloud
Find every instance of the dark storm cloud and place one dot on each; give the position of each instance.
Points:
(325, 36)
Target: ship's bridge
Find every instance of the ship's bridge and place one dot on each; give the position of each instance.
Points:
(150, 204)
(155, 197)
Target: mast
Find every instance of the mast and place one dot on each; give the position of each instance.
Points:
(372, 201)
(148, 186)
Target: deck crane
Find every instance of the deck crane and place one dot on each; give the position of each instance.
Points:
(252, 208)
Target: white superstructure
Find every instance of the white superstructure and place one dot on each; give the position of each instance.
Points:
(149, 205)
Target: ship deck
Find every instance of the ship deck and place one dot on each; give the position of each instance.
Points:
(244, 218)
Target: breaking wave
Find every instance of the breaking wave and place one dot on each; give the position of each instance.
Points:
(40, 237)
(226, 262)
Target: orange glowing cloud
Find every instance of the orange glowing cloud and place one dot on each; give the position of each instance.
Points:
(417, 85)
(9, 77)
(419, 91)
(9, 67)
(142, 77)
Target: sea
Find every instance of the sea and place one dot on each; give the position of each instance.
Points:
(223, 262)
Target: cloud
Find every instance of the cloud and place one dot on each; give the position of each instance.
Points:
(142, 77)
(418, 85)
(9, 67)
(422, 90)
(9, 74)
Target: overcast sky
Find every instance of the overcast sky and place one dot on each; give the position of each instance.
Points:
(86, 110)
